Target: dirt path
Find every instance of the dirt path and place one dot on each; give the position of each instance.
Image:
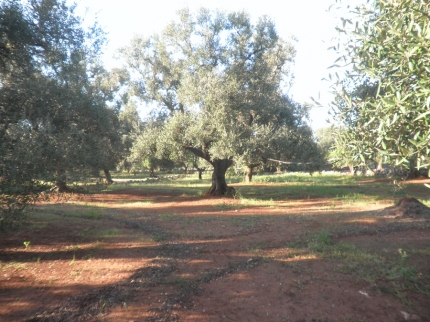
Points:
(135, 256)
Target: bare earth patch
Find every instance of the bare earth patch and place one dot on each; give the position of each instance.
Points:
(132, 255)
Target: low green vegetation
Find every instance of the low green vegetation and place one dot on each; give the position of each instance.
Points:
(399, 275)
(302, 185)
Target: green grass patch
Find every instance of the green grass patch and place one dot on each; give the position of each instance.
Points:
(226, 206)
(167, 217)
(357, 197)
(112, 232)
(351, 189)
(13, 265)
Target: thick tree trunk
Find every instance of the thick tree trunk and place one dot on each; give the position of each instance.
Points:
(151, 172)
(219, 185)
(60, 181)
(108, 177)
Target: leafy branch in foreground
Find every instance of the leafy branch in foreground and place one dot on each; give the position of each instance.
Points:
(383, 103)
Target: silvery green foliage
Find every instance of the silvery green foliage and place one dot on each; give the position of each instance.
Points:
(325, 138)
(387, 52)
(130, 128)
(145, 151)
(53, 95)
(220, 83)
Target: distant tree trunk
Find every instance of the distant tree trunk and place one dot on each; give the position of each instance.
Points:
(200, 170)
(151, 172)
(60, 180)
(219, 185)
(108, 177)
(351, 169)
(413, 171)
(248, 176)
(249, 169)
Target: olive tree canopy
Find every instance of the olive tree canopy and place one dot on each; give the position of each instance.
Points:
(383, 103)
(54, 116)
(220, 82)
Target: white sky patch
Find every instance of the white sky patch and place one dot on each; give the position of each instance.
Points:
(307, 20)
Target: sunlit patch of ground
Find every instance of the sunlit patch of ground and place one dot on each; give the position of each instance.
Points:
(165, 255)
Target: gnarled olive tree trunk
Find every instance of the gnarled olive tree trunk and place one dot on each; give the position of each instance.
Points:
(219, 185)
(108, 177)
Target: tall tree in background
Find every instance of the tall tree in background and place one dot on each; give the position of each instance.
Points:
(220, 81)
(325, 138)
(388, 47)
(145, 150)
(130, 127)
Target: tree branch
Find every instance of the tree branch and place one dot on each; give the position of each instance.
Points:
(253, 165)
(199, 153)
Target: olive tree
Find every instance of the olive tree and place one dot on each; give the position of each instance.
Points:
(387, 47)
(145, 150)
(220, 81)
(53, 112)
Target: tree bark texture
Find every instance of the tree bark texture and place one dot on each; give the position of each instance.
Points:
(249, 169)
(60, 180)
(108, 177)
(219, 185)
